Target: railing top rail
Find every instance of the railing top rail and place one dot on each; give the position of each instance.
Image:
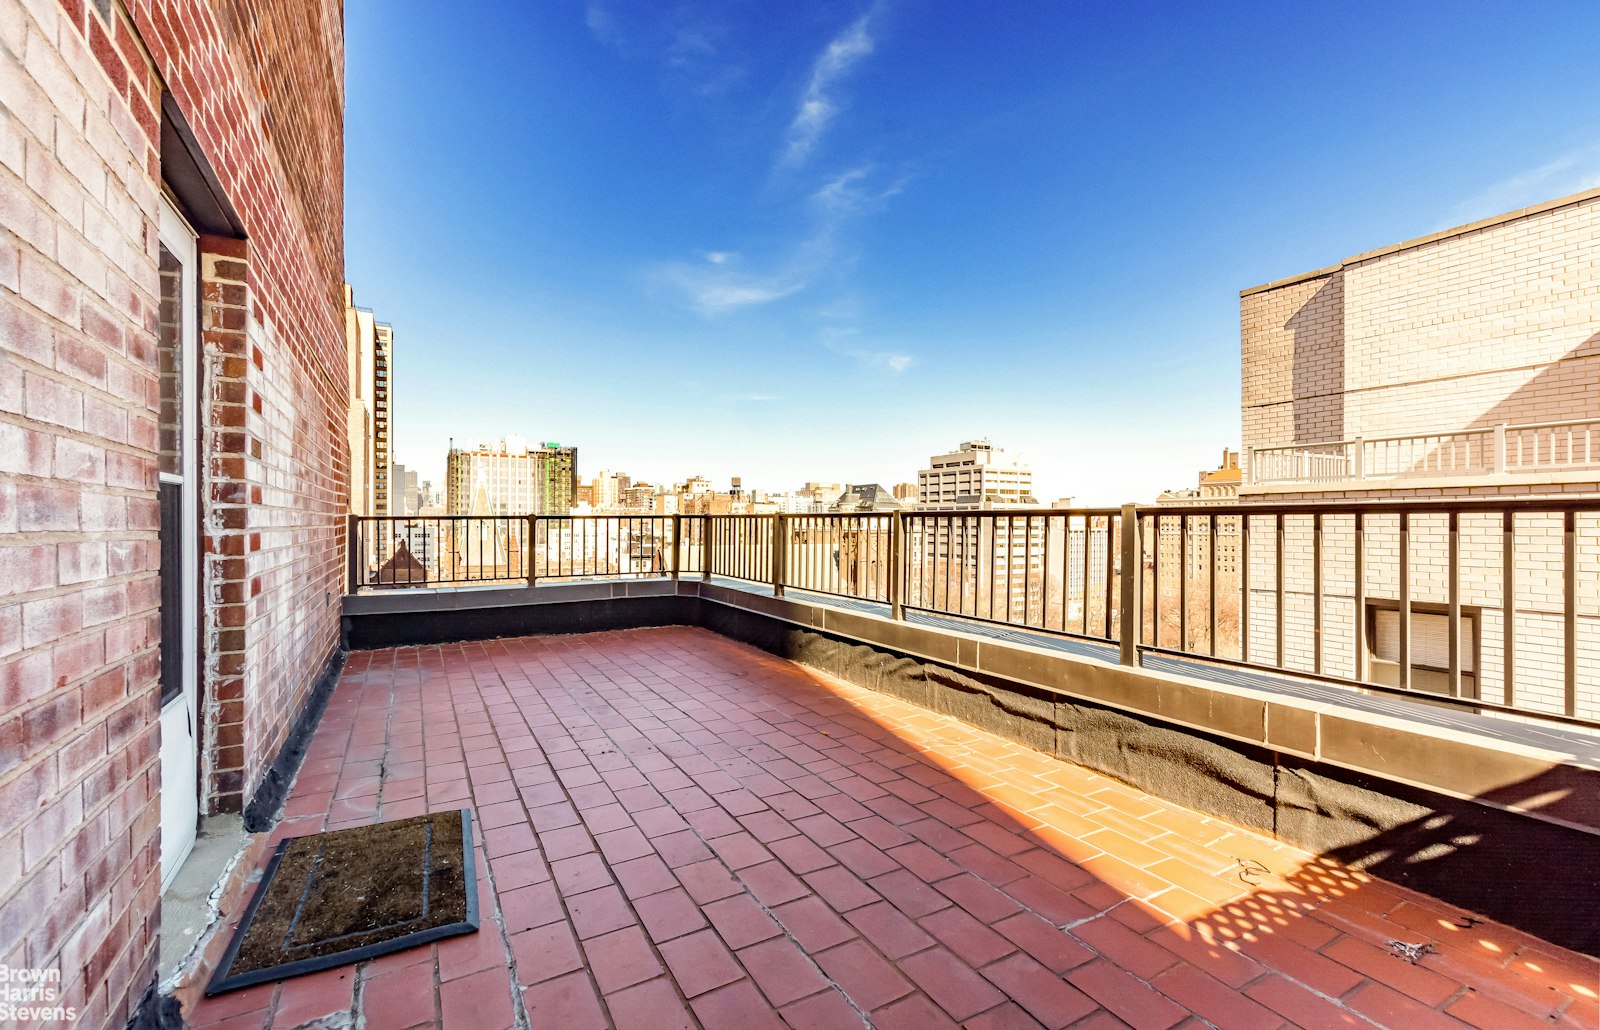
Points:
(969, 512)
(1413, 506)
(950, 513)
(1509, 427)
(1516, 426)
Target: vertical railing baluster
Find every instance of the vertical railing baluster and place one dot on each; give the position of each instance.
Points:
(1244, 587)
(1132, 577)
(1155, 578)
(1211, 581)
(1183, 582)
(1316, 592)
(896, 542)
(1110, 562)
(1569, 573)
(1405, 600)
(1359, 591)
(527, 549)
(1283, 662)
(1453, 561)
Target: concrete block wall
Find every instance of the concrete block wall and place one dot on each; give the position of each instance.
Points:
(80, 117)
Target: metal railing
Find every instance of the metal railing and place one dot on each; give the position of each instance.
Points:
(1491, 605)
(1493, 450)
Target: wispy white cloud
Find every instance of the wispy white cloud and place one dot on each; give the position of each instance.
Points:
(602, 25)
(853, 192)
(841, 342)
(713, 291)
(1569, 173)
(724, 281)
(690, 44)
(818, 105)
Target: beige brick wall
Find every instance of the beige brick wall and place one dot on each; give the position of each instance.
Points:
(1498, 323)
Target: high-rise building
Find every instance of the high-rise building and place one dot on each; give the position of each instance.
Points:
(406, 498)
(369, 357)
(975, 476)
(382, 416)
(511, 478)
(369, 346)
(905, 492)
(1000, 563)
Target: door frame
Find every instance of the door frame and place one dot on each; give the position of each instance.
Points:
(181, 240)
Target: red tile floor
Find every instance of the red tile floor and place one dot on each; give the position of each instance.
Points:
(677, 830)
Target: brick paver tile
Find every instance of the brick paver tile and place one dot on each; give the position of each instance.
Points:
(700, 963)
(546, 952)
(649, 1006)
(1139, 956)
(568, 1002)
(599, 911)
(738, 1006)
(1390, 1008)
(621, 959)
(1039, 991)
(669, 914)
(740, 921)
(913, 1013)
(396, 1000)
(975, 943)
(1414, 980)
(316, 995)
(865, 976)
(1115, 989)
(1009, 1016)
(1301, 1006)
(889, 930)
(825, 1011)
(1214, 1000)
(951, 983)
(782, 971)
(708, 881)
(841, 888)
(481, 1000)
(773, 884)
(813, 924)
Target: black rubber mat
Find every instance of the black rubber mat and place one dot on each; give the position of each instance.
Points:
(330, 899)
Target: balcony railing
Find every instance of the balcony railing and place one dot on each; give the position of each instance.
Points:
(1496, 450)
(1489, 605)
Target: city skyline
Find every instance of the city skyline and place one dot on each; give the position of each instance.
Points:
(821, 284)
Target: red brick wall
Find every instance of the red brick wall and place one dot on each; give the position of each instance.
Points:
(261, 84)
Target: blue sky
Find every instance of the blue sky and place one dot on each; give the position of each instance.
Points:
(823, 241)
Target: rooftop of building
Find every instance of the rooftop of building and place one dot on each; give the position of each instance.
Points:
(675, 829)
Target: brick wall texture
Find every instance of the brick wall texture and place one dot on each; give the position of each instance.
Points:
(1500, 323)
(1497, 324)
(261, 85)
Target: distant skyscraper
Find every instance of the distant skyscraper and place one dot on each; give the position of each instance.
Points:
(369, 359)
(369, 347)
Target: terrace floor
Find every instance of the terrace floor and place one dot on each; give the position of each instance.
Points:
(677, 830)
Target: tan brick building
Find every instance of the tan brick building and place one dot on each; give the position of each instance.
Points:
(1402, 362)
(1465, 364)
(173, 463)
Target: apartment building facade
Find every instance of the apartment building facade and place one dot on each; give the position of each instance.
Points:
(511, 478)
(369, 360)
(174, 464)
(1464, 364)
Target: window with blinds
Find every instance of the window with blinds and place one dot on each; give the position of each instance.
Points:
(1430, 639)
